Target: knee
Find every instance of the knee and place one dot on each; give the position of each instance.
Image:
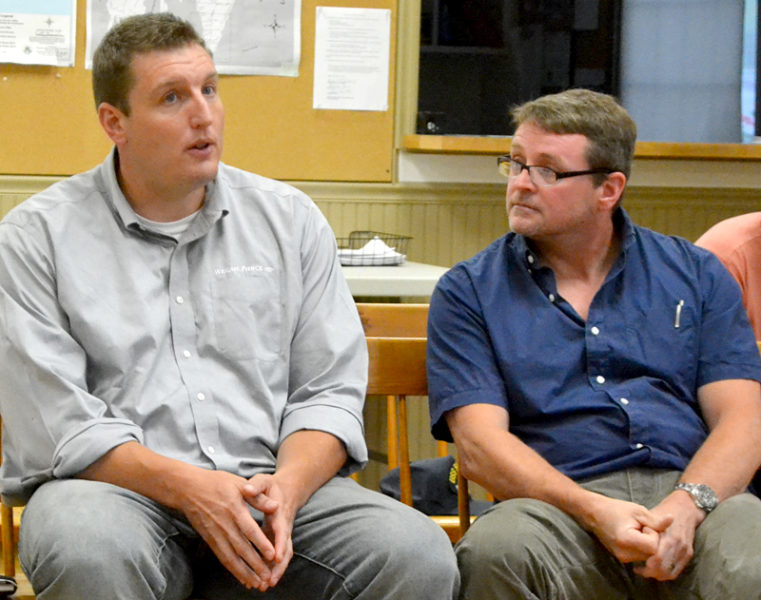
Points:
(86, 535)
(416, 545)
(727, 542)
(502, 538)
(78, 519)
(411, 557)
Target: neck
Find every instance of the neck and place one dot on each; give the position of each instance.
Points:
(583, 254)
(160, 205)
(580, 264)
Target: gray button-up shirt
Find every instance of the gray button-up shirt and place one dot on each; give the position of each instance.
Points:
(210, 348)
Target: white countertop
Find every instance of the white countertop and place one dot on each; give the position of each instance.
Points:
(408, 279)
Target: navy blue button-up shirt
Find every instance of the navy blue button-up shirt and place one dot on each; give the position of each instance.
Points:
(612, 392)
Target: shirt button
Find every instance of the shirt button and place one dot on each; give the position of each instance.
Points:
(179, 299)
(186, 353)
(530, 259)
(211, 449)
(201, 396)
(600, 379)
(624, 401)
(551, 297)
(595, 331)
(639, 446)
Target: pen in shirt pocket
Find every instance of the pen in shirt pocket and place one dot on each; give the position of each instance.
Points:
(678, 315)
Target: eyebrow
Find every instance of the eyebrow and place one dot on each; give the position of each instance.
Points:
(170, 83)
(543, 156)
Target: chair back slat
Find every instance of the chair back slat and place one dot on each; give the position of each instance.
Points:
(397, 366)
(393, 320)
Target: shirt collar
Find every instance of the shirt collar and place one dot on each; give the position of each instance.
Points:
(216, 203)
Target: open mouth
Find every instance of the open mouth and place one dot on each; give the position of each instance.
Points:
(201, 145)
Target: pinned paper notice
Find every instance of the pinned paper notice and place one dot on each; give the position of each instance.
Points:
(38, 32)
(351, 64)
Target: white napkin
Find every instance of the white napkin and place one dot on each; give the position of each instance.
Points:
(374, 252)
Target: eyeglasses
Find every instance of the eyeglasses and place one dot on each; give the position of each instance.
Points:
(510, 167)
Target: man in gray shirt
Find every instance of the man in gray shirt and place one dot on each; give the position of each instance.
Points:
(184, 369)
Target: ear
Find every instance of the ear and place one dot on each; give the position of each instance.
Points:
(113, 122)
(611, 190)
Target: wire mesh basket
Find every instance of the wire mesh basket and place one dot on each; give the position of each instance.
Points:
(366, 248)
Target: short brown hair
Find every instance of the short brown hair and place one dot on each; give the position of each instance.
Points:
(610, 130)
(112, 77)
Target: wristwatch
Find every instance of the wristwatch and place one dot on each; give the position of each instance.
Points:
(703, 496)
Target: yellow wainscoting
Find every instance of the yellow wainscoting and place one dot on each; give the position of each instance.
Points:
(450, 222)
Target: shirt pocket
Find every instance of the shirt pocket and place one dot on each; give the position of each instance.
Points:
(666, 336)
(248, 315)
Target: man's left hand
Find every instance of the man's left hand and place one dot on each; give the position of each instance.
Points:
(277, 525)
(675, 544)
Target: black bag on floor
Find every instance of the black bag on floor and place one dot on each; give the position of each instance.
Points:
(434, 487)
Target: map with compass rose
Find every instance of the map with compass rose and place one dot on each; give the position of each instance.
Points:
(247, 37)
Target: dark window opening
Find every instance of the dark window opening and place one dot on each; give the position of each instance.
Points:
(479, 58)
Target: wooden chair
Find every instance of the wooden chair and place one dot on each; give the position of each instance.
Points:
(7, 530)
(396, 342)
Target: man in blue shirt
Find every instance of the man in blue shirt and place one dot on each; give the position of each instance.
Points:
(601, 380)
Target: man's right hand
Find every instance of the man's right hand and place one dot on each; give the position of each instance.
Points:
(629, 531)
(215, 506)
(214, 503)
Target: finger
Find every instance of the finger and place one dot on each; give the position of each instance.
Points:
(278, 569)
(666, 564)
(658, 523)
(231, 559)
(279, 528)
(260, 500)
(252, 556)
(256, 538)
(259, 484)
(660, 571)
(640, 545)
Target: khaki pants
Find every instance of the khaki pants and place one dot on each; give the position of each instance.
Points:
(527, 549)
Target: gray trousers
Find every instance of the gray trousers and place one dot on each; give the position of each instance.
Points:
(91, 540)
(528, 549)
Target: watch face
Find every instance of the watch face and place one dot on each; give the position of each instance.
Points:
(705, 497)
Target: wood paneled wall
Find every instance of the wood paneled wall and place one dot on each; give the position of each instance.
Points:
(450, 222)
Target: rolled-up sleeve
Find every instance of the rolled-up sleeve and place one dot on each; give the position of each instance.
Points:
(52, 425)
(328, 354)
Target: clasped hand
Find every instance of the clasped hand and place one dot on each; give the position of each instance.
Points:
(659, 541)
(218, 508)
(675, 543)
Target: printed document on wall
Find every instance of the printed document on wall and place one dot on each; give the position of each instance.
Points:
(351, 58)
(246, 37)
(38, 32)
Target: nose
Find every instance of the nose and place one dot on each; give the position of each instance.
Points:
(201, 111)
(523, 179)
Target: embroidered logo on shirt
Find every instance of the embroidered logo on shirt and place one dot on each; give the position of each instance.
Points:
(242, 270)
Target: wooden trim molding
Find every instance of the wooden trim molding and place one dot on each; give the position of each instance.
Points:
(463, 144)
